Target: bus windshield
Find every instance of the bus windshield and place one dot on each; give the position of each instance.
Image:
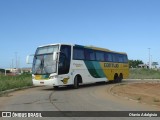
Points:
(43, 60)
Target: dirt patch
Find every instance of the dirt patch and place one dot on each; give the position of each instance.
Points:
(142, 92)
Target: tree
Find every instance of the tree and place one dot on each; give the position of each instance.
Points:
(2, 70)
(135, 63)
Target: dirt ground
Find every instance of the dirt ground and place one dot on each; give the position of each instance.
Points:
(142, 92)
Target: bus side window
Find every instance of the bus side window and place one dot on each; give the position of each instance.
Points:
(115, 57)
(89, 54)
(125, 58)
(108, 57)
(78, 53)
(99, 56)
(120, 58)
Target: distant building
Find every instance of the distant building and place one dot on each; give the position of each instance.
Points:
(143, 66)
(19, 70)
(12, 70)
(26, 70)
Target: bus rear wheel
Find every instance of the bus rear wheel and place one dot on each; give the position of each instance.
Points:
(120, 77)
(116, 78)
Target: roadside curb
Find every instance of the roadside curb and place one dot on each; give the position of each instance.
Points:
(15, 89)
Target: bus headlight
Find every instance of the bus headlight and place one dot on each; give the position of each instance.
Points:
(52, 77)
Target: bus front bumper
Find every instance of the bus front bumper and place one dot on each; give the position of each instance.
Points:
(49, 82)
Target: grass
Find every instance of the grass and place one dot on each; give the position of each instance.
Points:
(19, 81)
(140, 73)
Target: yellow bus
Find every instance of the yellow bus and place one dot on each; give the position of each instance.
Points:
(65, 64)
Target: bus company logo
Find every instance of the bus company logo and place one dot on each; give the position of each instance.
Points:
(6, 114)
(77, 65)
(111, 65)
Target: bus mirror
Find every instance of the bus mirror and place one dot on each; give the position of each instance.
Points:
(54, 56)
(28, 59)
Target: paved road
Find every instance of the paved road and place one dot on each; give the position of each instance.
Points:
(94, 97)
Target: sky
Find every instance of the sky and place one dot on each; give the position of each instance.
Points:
(130, 26)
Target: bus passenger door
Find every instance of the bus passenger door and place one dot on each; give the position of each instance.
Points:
(64, 63)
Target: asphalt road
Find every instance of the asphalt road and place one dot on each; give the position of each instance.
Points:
(93, 97)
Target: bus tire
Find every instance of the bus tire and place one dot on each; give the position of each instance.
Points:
(116, 78)
(120, 77)
(76, 83)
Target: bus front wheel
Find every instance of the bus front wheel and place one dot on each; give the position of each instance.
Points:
(76, 83)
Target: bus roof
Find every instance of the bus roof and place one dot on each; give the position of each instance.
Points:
(54, 44)
(90, 47)
(101, 49)
(105, 50)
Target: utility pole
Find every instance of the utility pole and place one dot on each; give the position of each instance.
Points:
(19, 64)
(16, 62)
(149, 63)
(12, 64)
(5, 72)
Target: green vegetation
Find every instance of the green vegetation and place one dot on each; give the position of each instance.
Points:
(134, 63)
(140, 73)
(19, 81)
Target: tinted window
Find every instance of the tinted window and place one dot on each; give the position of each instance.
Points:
(108, 57)
(121, 58)
(125, 58)
(89, 54)
(115, 57)
(64, 59)
(99, 56)
(78, 53)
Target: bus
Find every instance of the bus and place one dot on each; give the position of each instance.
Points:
(66, 64)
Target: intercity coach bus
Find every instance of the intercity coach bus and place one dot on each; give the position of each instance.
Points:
(65, 64)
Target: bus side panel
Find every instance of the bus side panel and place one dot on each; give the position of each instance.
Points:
(79, 68)
(90, 71)
(95, 69)
(110, 69)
